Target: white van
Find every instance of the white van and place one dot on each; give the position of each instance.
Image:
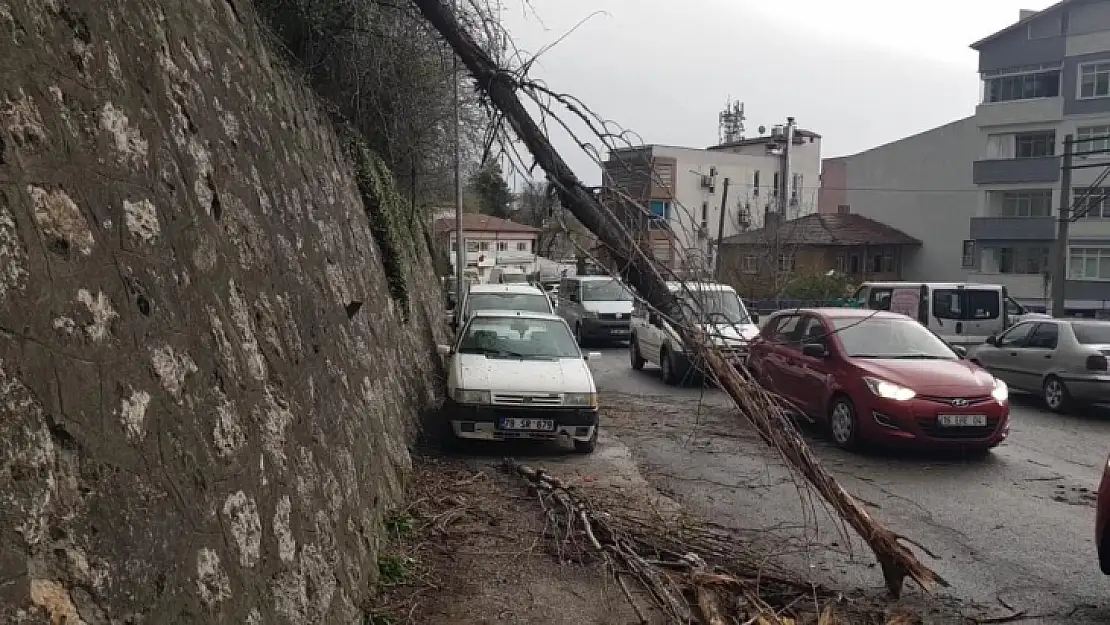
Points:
(961, 313)
(719, 312)
(598, 308)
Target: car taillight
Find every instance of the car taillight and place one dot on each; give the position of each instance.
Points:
(1096, 363)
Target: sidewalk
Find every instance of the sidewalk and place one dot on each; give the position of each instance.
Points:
(478, 545)
(473, 546)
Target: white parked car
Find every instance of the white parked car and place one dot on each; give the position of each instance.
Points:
(520, 375)
(523, 297)
(719, 312)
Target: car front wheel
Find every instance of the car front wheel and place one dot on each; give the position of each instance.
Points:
(666, 363)
(588, 446)
(844, 424)
(636, 359)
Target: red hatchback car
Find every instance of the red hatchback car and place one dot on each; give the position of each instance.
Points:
(879, 377)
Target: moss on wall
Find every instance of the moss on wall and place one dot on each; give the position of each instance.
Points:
(385, 209)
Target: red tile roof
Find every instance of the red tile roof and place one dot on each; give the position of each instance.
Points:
(835, 229)
(477, 222)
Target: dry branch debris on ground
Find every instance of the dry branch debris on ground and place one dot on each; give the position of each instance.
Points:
(488, 541)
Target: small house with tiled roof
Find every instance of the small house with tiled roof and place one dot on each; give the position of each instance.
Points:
(853, 245)
(490, 241)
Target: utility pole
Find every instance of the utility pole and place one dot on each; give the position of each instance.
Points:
(784, 179)
(720, 233)
(1060, 250)
(460, 245)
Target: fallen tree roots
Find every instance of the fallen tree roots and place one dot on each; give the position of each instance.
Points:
(688, 574)
(639, 269)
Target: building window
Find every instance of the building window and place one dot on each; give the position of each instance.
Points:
(522, 246)
(1022, 261)
(1036, 203)
(840, 263)
(705, 214)
(483, 246)
(750, 264)
(786, 262)
(1021, 85)
(843, 209)
(796, 189)
(660, 209)
(1089, 263)
(1035, 144)
(502, 246)
(1091, 203)
(1094, 80)
(472, 246)
(755, 184)
(882, 262)
(775, 191)
(1092, 138)
(853, 264)
(969, 255)
(454, 246)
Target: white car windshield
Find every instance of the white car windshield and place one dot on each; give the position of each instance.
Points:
(875, 337)
(514, 278)
(605, 291)
(527, 302)
(517, 337)
(719, 307)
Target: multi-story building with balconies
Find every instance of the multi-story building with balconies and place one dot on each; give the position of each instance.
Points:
(998, 171)
(1044, 77)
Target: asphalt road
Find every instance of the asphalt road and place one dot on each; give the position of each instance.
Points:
(1015, 529)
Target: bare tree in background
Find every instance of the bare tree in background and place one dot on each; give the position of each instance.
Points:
(561, 235)
(390, 75)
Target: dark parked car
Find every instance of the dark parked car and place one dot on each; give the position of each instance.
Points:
(881, 377)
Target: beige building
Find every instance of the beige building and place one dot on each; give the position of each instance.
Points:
(683, 191)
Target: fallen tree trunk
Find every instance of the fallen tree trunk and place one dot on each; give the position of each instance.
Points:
(639, 270)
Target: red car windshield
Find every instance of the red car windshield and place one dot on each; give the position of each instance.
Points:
(884, 337)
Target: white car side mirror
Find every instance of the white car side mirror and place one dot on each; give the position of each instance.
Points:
(443, 350)
(593, 355)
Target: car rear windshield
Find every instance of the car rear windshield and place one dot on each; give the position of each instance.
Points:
(514, 278)
(885, 337)
(1091, 332)
(516, 337)
(529, 302)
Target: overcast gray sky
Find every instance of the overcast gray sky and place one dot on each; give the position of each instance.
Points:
(859, 72)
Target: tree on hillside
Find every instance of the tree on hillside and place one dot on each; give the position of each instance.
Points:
(494, 195)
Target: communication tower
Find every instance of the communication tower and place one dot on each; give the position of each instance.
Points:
(730, 126)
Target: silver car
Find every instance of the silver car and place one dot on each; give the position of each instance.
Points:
(1063, 360)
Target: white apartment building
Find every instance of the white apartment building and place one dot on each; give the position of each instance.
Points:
(685, 190)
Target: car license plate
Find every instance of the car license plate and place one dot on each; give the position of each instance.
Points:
(962, 420)
(619, 331)
(542, 425)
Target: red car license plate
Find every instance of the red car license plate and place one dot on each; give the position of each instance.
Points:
(962, 420)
